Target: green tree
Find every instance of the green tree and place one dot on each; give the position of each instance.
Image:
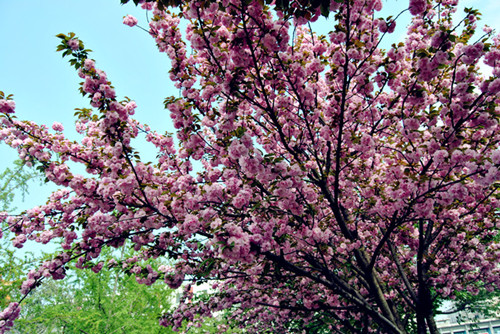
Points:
(12, 269)
(14, 181)
(107, 302)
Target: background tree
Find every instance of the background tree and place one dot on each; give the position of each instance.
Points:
(337, 183)
(13, 268)
(14, 182)
(484, 304)
(107, 302)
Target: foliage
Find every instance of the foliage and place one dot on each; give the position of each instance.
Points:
(340, 184)
(483, 304)
(12, 274)
(15, 180)
(107, 302)
(86, 302)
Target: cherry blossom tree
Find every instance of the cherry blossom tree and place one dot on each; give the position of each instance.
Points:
(297, 8)
(316, 181)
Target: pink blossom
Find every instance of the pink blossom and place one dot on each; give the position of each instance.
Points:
(494, 86)
(74, 44)
(236, 150)
(474, 51)
(441, 57)
(57, 127)
(130, 20)
(27, 285)
(89, 64)
(130, 107)
(417, 6)
(242, 199)
(289, 171)
(439, 156)
(495, 157)
(19, 241)
(7, 106)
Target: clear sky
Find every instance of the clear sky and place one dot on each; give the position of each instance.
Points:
(45, 86)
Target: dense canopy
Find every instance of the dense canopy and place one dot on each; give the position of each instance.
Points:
(320, 182)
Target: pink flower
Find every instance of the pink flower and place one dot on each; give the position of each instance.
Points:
(130, 107)
(439, 156)
(130, 20)
(174, 281)
(236, 150)
(27, 286)
(136, 270)
(19, 241)
(391, 26)
(411, 124)
(147, 6)
(57, 127)
(191, 223)
(382, 26)
(495, 157)
(97, 268)
(417, 6)
(7, 106)
(74, 44)
(242, 199)
(494, 86)
(441, 57)
(88, 64)
(474, 51)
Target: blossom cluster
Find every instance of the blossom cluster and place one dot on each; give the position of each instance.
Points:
(313, 178)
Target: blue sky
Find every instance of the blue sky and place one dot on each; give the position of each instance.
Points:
(45, 86)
